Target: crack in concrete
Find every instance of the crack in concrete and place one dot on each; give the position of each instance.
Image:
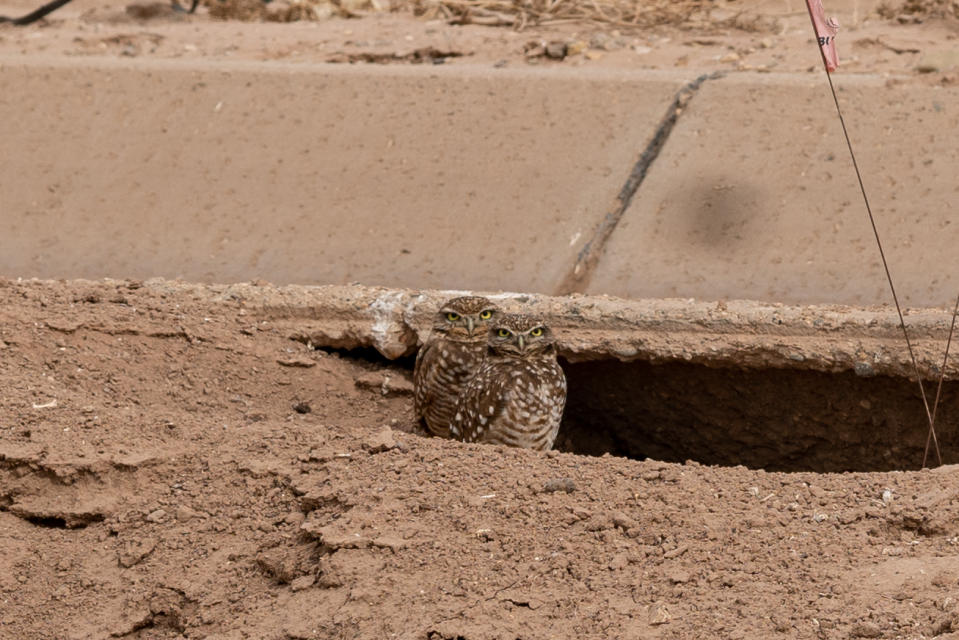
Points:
(578, 277)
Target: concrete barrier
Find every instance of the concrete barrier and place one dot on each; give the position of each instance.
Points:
(461, 178)
(755, 197)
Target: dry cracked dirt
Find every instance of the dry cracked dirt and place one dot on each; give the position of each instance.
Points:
(171, 467)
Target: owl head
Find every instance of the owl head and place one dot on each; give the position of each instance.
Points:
(465, 318)
(518, 335)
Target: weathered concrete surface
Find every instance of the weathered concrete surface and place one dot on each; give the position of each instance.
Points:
(414, 176)
(739, 334)
(476, 178)
(755, 197)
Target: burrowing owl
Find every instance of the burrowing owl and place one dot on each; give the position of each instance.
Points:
(451, 355)
(517, 396)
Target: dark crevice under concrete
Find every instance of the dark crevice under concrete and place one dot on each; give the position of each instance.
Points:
(774, 419)
(578, 277)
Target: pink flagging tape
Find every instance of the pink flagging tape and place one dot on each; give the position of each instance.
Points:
(826, 30)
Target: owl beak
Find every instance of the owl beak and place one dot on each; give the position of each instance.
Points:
(469, 326)
(522, 343)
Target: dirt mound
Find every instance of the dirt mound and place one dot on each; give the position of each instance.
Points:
(910, 11)
(172, 468)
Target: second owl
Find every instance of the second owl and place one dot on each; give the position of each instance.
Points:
(518, 394)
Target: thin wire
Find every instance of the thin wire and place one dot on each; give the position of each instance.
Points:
(882, 254)
(942, 375)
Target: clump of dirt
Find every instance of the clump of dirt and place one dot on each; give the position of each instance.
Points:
(913, 11)
(177, 467)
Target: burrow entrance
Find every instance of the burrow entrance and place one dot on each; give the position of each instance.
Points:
(774, 419)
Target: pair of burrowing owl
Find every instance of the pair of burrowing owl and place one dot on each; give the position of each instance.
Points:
(486, 376)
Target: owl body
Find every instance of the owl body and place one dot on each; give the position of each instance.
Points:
(518, 394)
(450, 357)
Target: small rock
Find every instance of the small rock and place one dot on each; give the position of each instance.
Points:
(134, 552)
(581, 514)
(303, 582)
(599, 522)
(296, 361)
(277, 565)
(659, 614)
(389, 542)
(599, 41)
(593, 55)
(157, 516)
(866, 630)
(535, 49)
(623, 521)
(556, 50)
(334, 538)
(294, 518)
(387, 383)
(678, 576)
(185, 514)
(381, 441)
(64, 326)
(486, 535)
(302, 407)
(675, 553)
(730, 57)
(606, 42)
(559, 484)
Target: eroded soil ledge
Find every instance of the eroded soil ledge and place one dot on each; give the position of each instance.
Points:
(176, 466)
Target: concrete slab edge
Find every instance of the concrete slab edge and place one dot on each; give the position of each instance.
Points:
(735, 333)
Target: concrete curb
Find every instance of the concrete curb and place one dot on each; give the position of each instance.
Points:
(741, 334)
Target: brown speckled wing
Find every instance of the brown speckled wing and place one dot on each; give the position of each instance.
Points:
(421, 392)
(481, 404)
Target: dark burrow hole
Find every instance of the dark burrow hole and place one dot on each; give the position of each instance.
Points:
(51, 522)
(56, 522)
(368, 355)
(774, 419)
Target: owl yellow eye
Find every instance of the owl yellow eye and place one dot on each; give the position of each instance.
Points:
(503, 333)
(486, 315)
(537, 332)
(452, 317)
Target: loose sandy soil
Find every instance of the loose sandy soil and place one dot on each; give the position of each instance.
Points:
(175, 469)
(171, 468)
